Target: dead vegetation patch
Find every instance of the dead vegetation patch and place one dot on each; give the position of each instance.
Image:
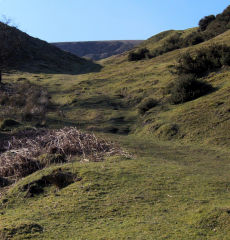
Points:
(34, 149)
(29, 105)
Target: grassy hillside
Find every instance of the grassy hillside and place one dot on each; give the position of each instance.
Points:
(174, 182)
(158, 40)
(31, 54)
(97, 50)
(108, 101)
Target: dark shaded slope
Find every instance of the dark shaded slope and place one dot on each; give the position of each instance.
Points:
(32, 54)
(97, 50)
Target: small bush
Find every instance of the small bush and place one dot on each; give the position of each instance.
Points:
(146, 105)
(177, 42)
(193, 39)
(187, 88)
(141, 54)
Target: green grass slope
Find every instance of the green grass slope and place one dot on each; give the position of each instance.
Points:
(158, 40)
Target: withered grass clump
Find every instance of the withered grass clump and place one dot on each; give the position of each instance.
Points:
(21, 156)
(15, 164)
(29, 105)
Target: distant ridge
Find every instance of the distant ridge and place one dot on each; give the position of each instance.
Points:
(97, 50)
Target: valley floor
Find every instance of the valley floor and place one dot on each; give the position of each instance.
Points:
(164, 191)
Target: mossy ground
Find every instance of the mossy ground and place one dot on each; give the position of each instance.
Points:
(168, 190)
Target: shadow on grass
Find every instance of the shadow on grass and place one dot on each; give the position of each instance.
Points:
(100, 102)
(117, 125)
(81, 66)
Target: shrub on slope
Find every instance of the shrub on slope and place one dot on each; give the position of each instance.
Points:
(205, 60)
(142, 53)
(187, 88)
(219, 25)
(209, 27)
(204, 22)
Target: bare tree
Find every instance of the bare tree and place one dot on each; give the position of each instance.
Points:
(7, 21)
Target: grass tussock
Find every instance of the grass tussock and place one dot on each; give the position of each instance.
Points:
(216, 219)
(30, 228)
(146, 105)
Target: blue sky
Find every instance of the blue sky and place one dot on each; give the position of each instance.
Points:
(87, 20)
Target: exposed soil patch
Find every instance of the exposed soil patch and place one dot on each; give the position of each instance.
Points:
(3, 182)
(58, 178)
